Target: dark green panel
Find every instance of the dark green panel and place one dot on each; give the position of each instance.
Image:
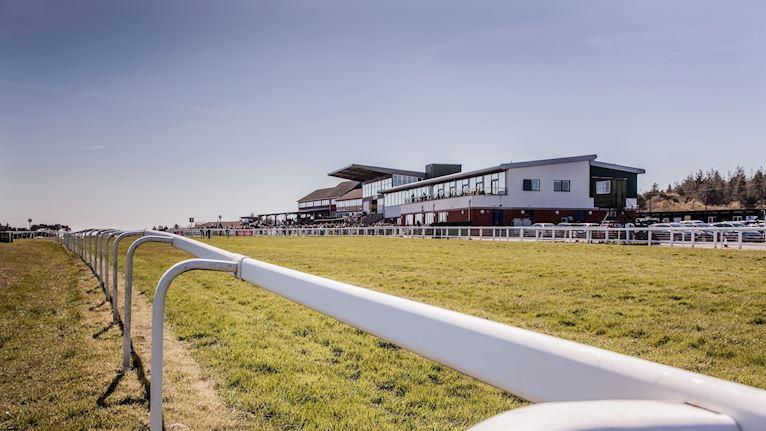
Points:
(632, 183)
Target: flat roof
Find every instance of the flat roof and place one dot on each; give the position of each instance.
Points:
(618, 167)
(364, 173)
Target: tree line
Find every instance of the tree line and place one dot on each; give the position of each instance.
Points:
(736, 189)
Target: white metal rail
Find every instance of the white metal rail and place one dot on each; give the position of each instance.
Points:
(577, 387)
(710, 237)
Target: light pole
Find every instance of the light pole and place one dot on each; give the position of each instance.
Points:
(30, 223)
(219, 221)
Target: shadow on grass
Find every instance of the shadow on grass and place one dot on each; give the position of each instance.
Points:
(97, 306)
(138, 367)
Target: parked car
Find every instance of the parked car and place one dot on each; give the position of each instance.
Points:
(733, 235)
(700, 233)
(610, 224)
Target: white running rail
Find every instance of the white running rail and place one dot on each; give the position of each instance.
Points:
(708, 237)
(576, 387)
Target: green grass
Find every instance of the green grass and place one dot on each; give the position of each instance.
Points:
(291, 368)
(58, 351)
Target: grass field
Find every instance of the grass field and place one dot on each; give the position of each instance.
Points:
(57, 347)
(290, 368)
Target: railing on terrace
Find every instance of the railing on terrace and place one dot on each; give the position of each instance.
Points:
(715, 237)
(494, 191)
(576, 387)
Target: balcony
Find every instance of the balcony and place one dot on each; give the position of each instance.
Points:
(495, 191)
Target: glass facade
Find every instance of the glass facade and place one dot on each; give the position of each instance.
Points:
(349, 203)
(372, 189)
(489, 184)
(400, 180)
(313, 204)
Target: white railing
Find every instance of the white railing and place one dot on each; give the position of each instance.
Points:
(11, 235)
(715, 237)
(576, 386)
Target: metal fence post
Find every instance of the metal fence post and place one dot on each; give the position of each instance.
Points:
(126, 348)
(158, 320)
(115, 263)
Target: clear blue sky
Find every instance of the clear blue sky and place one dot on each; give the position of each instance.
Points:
(135, 113)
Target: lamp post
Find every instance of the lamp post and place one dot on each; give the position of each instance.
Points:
(219, 221)
(30, 223)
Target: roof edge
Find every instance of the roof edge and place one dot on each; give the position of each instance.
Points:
(617, 167)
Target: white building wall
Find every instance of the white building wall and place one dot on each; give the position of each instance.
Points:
(578, 173)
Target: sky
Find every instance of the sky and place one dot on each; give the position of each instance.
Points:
(141, 113)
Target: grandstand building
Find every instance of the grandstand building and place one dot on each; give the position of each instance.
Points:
(570, 189)
(322, 203)
(373, 180)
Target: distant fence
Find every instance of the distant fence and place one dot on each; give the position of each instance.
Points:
(576, 386)
(715, 237)
(10, 235)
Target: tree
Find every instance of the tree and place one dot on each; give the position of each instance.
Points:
(756, 189)
(738, 186)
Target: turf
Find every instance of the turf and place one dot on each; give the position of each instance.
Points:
(291, 368)
(58, 348)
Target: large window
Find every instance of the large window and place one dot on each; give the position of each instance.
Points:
(603, 187)
(442, 217)
(561, 186)
(312, 204)
(531, 185)
(490, 184)
(372, 189)
(350, 203)
(400, 180)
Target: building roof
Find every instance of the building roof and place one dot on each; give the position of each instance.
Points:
(556, 161)
(353, 194)
(505, 166)
(618, 167)
(330, 192)
(364, 173)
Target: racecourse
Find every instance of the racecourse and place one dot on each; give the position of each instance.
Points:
(282, 366)
(288, 366)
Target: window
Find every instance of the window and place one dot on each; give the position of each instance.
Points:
(429, 218)
(532, 185)
(561, 186)
(737, 218)
(603, 187)
(442, 217)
